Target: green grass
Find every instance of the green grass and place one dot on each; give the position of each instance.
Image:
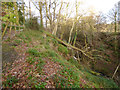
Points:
(10, 81)
(62, 49)
(18, 42)
(55, 42)
(69, 76)
(100, 81)
(47, 46)
(41, 85)
(71, 72)
(74, 62)
(31, 60)
(33, 52)
(21, 36)
(35, 56)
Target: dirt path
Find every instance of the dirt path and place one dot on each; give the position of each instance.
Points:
(22, 70)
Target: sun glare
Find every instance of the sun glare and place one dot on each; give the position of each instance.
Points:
(97, 5)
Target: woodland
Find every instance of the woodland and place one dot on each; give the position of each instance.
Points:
(62, 47)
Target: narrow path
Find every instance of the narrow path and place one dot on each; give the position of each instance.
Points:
(23, 70)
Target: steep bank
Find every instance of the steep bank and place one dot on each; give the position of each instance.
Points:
(45, 63)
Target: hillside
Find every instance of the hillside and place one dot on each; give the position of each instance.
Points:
(33, 59)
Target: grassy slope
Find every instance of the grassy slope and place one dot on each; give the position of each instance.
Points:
(41, 48)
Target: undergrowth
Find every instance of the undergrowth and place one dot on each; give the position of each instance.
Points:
(72, 73)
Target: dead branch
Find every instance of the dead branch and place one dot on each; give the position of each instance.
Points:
(116, 70)
(68, 45)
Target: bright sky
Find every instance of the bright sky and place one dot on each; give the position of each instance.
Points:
(97, 5)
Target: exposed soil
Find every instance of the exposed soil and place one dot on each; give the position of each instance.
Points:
(9, 55)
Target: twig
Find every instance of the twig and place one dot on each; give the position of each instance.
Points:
(116, 70)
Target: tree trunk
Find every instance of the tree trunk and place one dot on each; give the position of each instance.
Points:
(54, 10)
(58, 19)
(118, 26)
(71, 32)
(76, 5)
(75, 38)
(50, 16)
(46, 12)
(30, 10)
(115, 31)
(10, 28)
(16, 13)
(55, 29)
(41, 17)
(23, 14)
(5, 30)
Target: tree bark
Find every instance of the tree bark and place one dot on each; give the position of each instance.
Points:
(58, 19)
(46, 12)
(16, 13)
(23, 14)
(71, 32)
(41, 16)
(115, 31)
(54, 10)
(30, 10)
(76, 5)
(116, 70)
(5, 30)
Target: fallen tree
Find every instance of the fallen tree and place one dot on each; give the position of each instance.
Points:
(68, 45)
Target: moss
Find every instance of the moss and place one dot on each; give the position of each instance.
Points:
(95, 73)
